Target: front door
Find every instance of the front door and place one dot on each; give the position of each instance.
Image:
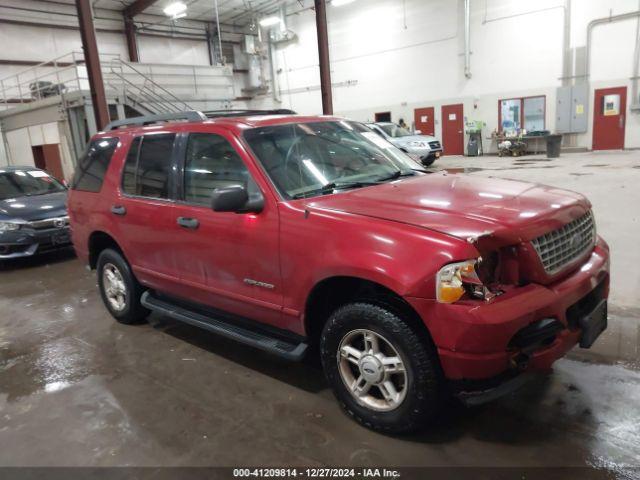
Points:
(453, 129)
(229, 261)
(609, 112)
(424, 120)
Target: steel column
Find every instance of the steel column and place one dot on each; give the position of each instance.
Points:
(132, 42)
(92, 61)
(323, 54)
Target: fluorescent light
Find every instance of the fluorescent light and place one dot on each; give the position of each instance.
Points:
(270, 21)
(339, 3)
(174, 9)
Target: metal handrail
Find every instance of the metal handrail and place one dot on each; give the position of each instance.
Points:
(65, 74)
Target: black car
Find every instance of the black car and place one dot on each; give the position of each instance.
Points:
(33, 213)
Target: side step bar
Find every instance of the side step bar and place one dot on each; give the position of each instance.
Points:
(287, 349)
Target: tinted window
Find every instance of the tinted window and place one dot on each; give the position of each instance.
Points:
(92, 167)
(130, 165)
(148, 166)
(211, 162)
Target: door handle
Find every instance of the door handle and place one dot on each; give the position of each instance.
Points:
(118, 210)
(191, 223)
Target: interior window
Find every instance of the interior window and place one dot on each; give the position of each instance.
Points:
(212, 162)
(148, 166)
(510, 114)
(533, 109)
(522, 113)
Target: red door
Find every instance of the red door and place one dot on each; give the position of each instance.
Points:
(453, 129)
(609, 111)
(47, 157)
(424, 120)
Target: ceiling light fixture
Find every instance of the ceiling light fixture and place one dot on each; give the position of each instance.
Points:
(339, 3)
(270, 21)
(175, 10)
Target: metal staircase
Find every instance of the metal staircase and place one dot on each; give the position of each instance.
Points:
(127, 85)
(147, 88)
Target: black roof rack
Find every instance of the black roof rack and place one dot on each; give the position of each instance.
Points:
(190, 116)
(245, 113)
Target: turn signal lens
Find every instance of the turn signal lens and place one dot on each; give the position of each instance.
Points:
(451, 280)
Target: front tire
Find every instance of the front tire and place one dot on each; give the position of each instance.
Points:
(119, 288)
(383, 373)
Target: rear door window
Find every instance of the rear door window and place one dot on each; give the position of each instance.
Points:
(147, 170)
(92, 167)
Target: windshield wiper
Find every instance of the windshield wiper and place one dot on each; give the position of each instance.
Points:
(330, 187)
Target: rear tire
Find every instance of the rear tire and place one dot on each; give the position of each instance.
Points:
(396, 390)
(119, 289)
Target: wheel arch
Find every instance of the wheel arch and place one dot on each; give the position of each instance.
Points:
(99, 241)
(330, 293)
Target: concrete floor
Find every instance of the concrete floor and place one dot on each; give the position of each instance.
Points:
(76, 388)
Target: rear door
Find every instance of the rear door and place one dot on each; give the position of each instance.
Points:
(226, 260)
(143, 211)
(424, 120)
(609, 118)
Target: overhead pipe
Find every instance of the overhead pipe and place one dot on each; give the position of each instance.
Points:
(323, 54)
(635, 97)
(215, 2)
(602, 21)
(467, 38)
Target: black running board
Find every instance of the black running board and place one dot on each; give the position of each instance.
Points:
(289, 350)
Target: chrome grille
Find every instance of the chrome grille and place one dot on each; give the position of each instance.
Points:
(47, 223)
(559, 248)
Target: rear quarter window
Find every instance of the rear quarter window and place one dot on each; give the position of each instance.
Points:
(93, 165)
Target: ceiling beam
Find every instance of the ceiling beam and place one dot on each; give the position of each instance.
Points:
(137, 7)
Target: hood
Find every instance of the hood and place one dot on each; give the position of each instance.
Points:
(37, 207)
(413, 138)
(466, 207)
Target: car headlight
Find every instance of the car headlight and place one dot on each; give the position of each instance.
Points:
(418, 144)
(456, 279)
(8, 226)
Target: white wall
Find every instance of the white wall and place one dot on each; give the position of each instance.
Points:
(403, 59)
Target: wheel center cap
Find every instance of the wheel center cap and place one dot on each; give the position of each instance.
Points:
(371, 369)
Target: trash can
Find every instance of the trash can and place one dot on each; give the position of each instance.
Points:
(553, 145)
(474, 145)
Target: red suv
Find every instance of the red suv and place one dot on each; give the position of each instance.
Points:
(293, 234)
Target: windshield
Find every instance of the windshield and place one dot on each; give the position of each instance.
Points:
(20, 183)
(394, 131)
(307, 159)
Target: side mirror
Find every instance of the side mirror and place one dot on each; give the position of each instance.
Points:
(236, 199)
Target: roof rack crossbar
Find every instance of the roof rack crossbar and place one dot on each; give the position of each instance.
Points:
(244, 113)
(189, 115)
